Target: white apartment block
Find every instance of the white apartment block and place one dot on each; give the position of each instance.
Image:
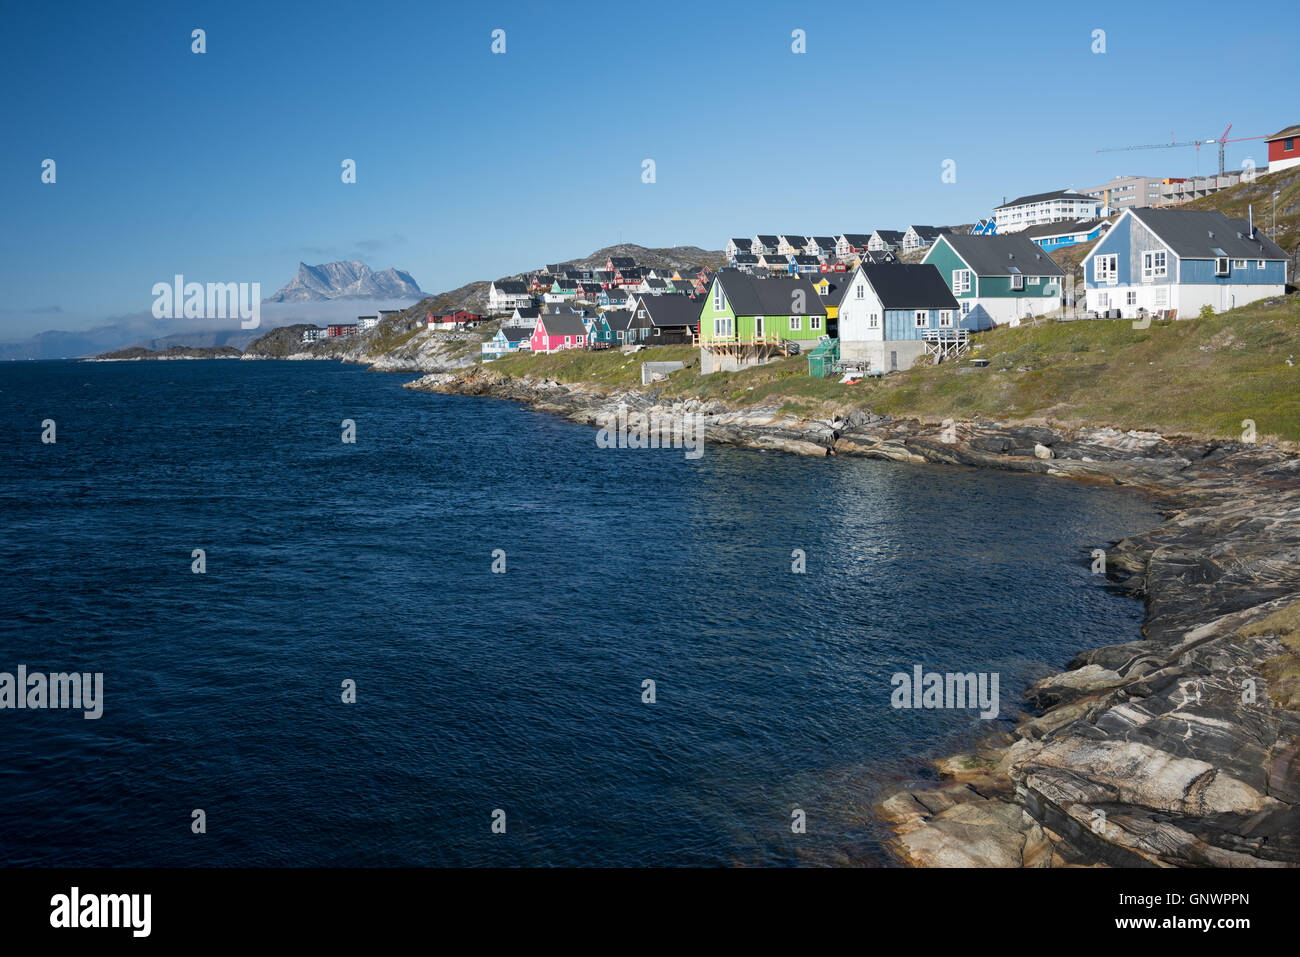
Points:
(1042, 208)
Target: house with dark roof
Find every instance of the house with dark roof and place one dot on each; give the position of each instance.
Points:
(885, 239)
(997, 279)
(524, 317)
(802, 263)
(1050, 207)
(505, 295)
(745, 320)
(819, 246)
(1175, 262)
(830, 288)
(891, 312)
(764, 243)
(1066, 233)
(619, 262)
(737, 246)
(612, 297)
(671, 320)
(919, 237)
(790, 244)
(618, 321)
(557, 332)
(508, 340)
(849, 244)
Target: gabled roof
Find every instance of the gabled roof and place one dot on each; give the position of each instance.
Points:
(515, 333)
(909, 286)
(528, 312)
(615, 292)
(926, 232)
(794, 239)
(1206, 233)
(1290, 131)
(749, 259)
(836, 283)
(742, 243)
(889, 235)
(856, 239)
(752, 296)
(618, 319)
(767, 240)
(559, 324)
(999, 255)
(511, 287)
(1063, 228)
(825, 242)
(671, 311)
(622, 262)
(883, 256)
(1044, 197)
(802, 259)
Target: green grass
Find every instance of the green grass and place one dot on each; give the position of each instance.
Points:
(1196, 377)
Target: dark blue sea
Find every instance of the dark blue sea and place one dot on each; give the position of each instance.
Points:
(371, 562)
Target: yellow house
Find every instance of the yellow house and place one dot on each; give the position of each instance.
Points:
(830, 288)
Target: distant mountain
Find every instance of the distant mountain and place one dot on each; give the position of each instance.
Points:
(346, 280)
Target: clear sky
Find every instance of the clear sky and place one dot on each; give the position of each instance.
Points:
(226, 166)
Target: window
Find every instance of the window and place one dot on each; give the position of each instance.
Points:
(1106, 268)
(922, 318)
(1221, 265)
(656, 330)
(1239, 264)
(1259, 264)
(814, 322)
(1153, 266)
(795, 323)
(1131, 298)
(965, 308)
(945, 318)
(722, 327)
(1288, 144)
(568, 340)
(960, 281)
(719, 300)
(875, 320)
(1103, 300)
(861, 290)
(1017, 281)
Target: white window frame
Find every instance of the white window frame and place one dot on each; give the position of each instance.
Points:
(875, 321)
(1131, 297)
(1239, 264)
(960, 281)
(862, 290)
(1149, 268)
(921, 318)
(1017, 282)
(1106, 268)
(1035, 280)
(719, 298)
(1259, 264)
(945, 319)
(814, 322)
(796, 323)
(1221, 264)
(965, 308)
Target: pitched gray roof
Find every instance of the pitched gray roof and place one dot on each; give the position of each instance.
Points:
(1061, 228)
(752, 296)
(563, 325)
(1206, 233)
(999, 255)
(516, 333)
(909, 286)
(670, 311)
(618, 319)
(1043, 197)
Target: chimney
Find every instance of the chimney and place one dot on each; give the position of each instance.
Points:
(1251, 207)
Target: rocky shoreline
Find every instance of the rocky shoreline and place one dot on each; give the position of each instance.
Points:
(1178, 748)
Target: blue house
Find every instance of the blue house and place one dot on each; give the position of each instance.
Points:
(894, 313)
(1175, 262)
(1057, 235)
(507, 340)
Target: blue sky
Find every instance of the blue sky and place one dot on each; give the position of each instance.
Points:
(226, 166)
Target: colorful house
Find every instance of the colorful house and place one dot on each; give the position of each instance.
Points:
(1057, 235)
(1284, 149)
(599, 334)
(830, 288)
(1175, 262)
(672, 319)
(745, 320)
(997, 279)
(508, 339)
(894, 313)
(558, 331)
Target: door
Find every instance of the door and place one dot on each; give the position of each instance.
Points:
(758, 327)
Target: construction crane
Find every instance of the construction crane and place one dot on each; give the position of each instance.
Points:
(1222, 141)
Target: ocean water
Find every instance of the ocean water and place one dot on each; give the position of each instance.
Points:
(372, 562)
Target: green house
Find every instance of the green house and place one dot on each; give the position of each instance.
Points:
(997, 280)
(746, 320)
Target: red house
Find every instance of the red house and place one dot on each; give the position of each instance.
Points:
(346, 329)
(1284, 149)
(461, 318)
(557, 331)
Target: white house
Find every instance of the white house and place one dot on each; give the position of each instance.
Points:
(506, 295)
(890, 313)
(367, 322)
(919, 237)
(1044, 208)
(1154, 260)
